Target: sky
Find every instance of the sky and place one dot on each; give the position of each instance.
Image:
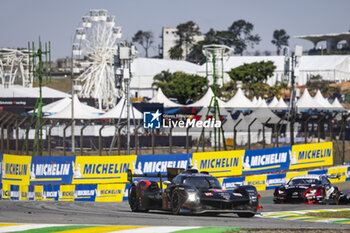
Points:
(25, 20)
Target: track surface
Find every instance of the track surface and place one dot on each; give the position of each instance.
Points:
(120, 214)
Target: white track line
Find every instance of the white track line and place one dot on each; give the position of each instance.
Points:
(155, 229)
(23, 227)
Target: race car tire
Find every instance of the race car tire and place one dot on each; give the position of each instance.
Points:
(133, 200)
(246, 215)
(175, 203)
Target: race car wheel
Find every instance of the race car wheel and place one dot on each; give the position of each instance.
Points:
(133, 200)
(245, 215)
(175, 203)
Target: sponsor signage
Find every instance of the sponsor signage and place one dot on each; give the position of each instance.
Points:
(266, 160)
(275, 180)
(15, 169)
(85, 192)
(311, 155)
(101, 169)
(152, 164)
(51, 170)
(220, 163)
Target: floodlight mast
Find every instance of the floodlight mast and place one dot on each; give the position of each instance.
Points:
(292, 66)
(215, 53)
(126, 53)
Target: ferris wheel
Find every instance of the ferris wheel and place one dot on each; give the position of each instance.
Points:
(93, 50)
(14, 68)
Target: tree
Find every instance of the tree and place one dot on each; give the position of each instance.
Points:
(184, 87)
(280, 38)
(253, 76)
(176, 53)
(145, 39)
(239, 35)
(186, 32)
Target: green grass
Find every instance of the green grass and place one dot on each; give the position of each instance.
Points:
(212, 230)
(338, 214)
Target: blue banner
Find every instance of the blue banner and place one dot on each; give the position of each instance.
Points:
(266, 160)
(152, 164)
(348, 174)
(275, 180)
(31, 193)
(318, 172)
(51, 170)
(14, 192)
(85, 192)
(231, 183)
(51, 192)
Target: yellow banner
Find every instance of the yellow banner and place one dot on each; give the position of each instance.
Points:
(102, 169)
(290, 175)
(15, 169)
(109, 192)
(66, 193)
(335, 171)
(311, 155)
(38, 192)
(6, 191)
(220, 163)
(23, 195)
(259, 181)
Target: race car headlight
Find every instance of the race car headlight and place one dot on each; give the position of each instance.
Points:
(192, 197)
(313, 191)
(280, 191)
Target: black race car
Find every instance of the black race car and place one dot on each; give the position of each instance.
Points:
(310, 189)
(188, 191)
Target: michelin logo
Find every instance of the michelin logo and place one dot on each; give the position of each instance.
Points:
(151, 120)
(160, 166)
(49, 170)
(264, 160)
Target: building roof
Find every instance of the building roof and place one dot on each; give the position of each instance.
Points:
(322, 37)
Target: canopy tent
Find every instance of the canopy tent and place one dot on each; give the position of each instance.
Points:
(119, 112)
(263, 114)
(161, 98)
(55, 107)
(306, 102)
(280, 106)
(274, 102)
(18, 92)
(239, 101)
(205, 100)
(256, 130)
(262, 104)
(81, 111)
(254, 101)
(336, 105)
(321, 100)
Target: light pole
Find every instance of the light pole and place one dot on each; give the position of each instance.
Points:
(293, 63)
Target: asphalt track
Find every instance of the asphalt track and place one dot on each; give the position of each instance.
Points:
(120, 214)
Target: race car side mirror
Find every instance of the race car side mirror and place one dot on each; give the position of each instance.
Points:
(167, 182)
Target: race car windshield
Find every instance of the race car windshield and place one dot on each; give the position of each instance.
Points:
(304, 181)
(202, 182)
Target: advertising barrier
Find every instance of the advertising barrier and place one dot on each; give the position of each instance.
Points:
(102, 169)
(266, 160)
(311, 155)
(220, 163)
(104, 178)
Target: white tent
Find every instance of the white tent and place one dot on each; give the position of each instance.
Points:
(337, 106)
(116, 112)
(81, 111)
(254, 101)
(205, 100)
(281, 105)
(18, 91)
(55, 107)
(239, 101)
(161, 98)
(262, 104)
(306, 102)
(274, 102)
(321, 100)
